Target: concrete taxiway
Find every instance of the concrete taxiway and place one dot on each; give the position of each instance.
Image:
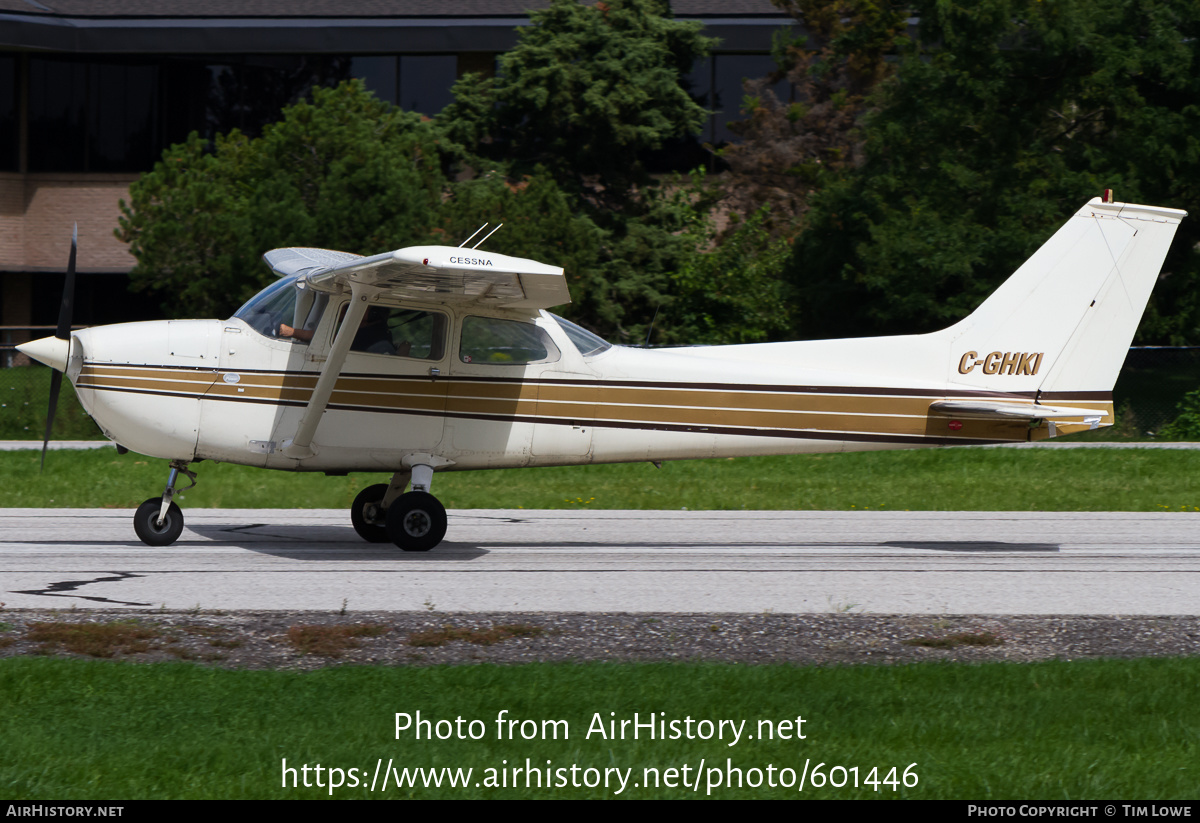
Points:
(632, 561)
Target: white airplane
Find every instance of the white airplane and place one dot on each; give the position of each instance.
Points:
(433, 358)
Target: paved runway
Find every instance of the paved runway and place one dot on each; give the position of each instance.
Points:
(642, 561)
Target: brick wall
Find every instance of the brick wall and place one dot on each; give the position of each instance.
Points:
(38, 210)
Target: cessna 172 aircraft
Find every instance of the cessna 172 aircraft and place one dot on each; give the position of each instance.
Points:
(433, 358)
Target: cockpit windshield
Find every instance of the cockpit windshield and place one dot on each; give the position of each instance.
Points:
(584, 340)
(285, 309)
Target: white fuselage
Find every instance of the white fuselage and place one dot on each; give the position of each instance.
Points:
(209, 389)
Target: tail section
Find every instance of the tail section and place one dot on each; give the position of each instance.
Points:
(1057, 330)
(1064, 320)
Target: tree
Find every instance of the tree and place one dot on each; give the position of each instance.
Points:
(586, 93)
(1001, 121)
(788, 146)
(731, 292)
(343, 172)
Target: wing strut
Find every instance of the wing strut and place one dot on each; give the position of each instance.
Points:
(300, 446)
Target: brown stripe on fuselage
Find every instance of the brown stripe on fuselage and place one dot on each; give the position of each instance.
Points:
(820, 412)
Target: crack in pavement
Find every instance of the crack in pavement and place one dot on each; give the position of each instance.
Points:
(57, 589)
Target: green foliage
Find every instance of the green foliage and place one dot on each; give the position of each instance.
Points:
(732, 293)
(919, 184)
(344, 172)
(552, 147)
(586, 92)
(1000, 123)
(1187, 425)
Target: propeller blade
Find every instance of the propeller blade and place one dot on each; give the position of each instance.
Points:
(63, 332)
(55, 384)
(67, 307)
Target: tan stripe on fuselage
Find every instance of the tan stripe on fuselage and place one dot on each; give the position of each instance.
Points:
(724, 408)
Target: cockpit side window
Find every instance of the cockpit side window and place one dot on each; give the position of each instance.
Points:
(273, 305)
(496, 342)
(284, 310)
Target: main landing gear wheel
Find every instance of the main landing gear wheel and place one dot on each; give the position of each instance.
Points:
(153, 533)
(416, 522)
(369, 516)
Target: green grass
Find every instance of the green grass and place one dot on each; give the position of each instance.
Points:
(24, 398)
(970, 479)
(1080, 730)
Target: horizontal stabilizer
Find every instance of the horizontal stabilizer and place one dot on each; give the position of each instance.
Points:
(1009, 411)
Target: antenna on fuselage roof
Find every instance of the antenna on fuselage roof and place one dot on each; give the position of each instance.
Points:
(472, 237)
(650, 330)
(477, 231)
(486, 236)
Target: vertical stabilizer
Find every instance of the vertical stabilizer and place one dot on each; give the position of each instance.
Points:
(1064, 320)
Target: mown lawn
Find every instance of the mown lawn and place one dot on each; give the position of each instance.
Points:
(969, 479)
(1096, 729)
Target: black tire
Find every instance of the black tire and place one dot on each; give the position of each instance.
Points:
(145, 523)
(368, 515)
(416, 522)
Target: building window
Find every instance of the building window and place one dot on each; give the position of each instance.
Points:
(418, 83)
(425, 82)
(10, 139)
(93, 116)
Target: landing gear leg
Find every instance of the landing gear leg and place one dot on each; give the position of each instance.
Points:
(158, 521)
(416, 521)
(368, 514)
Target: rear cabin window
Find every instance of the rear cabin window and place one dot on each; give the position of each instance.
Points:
(587, 342)
(400, 332)
(491, 341)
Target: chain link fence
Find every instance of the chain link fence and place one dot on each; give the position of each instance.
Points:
(1152, 382)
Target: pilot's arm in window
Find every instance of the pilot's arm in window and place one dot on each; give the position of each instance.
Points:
(304, 335)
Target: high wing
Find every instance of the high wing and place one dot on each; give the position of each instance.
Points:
(1008, 411)
(442, 274)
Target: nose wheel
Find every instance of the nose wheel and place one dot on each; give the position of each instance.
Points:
(159, 521)
(153, 530)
